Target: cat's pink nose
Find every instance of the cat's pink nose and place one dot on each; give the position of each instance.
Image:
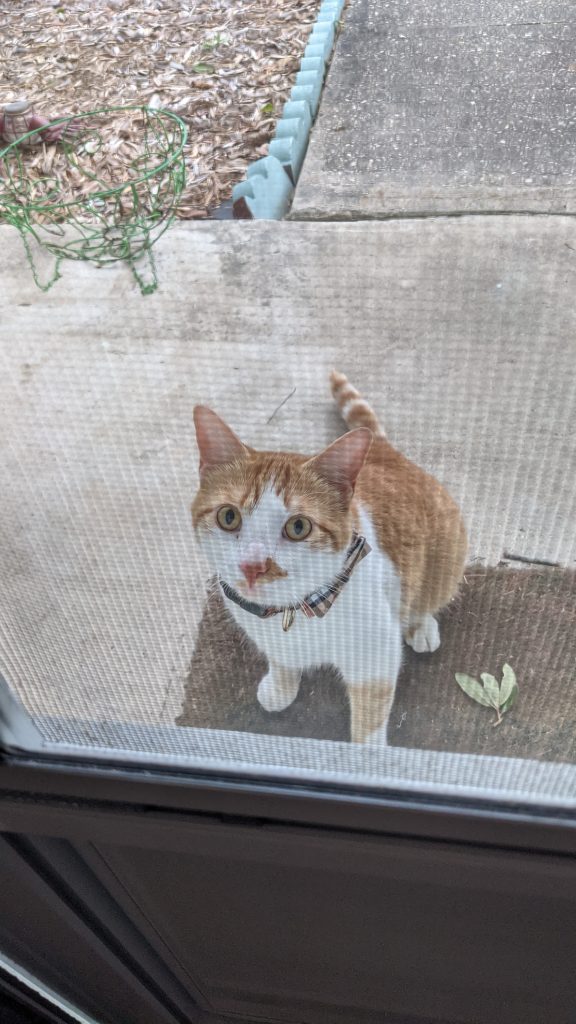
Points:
(252, 570)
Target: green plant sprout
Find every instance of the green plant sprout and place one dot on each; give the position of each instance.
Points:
(499, 696)
(212, 42)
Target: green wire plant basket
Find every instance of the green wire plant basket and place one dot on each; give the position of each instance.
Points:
(104, 192)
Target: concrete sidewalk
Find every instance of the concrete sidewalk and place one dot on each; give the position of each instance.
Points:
(437, 107)
(459, 331)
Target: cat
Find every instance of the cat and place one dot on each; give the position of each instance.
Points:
(329, 559)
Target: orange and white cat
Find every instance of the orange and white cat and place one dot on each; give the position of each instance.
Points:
(329, 559)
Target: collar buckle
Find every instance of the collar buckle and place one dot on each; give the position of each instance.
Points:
(288, 616)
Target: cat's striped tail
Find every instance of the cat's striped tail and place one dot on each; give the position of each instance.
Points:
(354, 409)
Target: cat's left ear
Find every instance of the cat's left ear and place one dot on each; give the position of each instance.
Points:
(342, 461)
(217, 443)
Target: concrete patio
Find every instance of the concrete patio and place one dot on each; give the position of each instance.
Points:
(460, 331)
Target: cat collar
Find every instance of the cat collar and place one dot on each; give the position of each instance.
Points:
(319, 602)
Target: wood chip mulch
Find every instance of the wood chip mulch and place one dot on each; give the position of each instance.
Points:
(225, 67)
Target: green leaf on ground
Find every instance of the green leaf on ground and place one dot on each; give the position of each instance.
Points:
(508, 703)
(473, 689)
(203, 69)
(509, 686)
(268, 108)
(491, 689)
(498, 696)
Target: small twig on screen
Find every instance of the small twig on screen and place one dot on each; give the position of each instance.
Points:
(530, 561)
(278, 407)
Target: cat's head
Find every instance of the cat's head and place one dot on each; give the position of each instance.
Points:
(274, 525)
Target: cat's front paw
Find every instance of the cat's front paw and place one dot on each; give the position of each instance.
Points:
(278, 689)
(424, 636)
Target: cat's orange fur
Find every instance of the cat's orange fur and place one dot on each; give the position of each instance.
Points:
(417, 523)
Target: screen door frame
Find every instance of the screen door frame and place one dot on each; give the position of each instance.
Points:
(55, 809)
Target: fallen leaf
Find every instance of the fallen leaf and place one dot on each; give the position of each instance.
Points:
(203, 69)
(491, 689)
(473, 689)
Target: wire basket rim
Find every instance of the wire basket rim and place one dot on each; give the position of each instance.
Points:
(155, 111)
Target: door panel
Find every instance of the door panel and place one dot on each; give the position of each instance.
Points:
(314, 927)
(146, 911)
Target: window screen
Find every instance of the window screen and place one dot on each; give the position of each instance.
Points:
(429, 255)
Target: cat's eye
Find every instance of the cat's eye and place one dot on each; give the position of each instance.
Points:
(298, 528)
(228, 518)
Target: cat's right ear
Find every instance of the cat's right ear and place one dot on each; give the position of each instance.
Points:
(217, 444)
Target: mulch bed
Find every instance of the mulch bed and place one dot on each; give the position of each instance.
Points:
(225, 67)
(524, 617)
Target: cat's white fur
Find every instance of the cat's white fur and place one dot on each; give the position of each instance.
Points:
(361, 634)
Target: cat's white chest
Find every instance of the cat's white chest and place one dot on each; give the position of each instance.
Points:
(359, 634)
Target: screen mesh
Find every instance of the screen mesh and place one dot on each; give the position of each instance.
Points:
(458, 332)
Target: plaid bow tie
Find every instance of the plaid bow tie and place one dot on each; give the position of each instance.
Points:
(318, 602)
